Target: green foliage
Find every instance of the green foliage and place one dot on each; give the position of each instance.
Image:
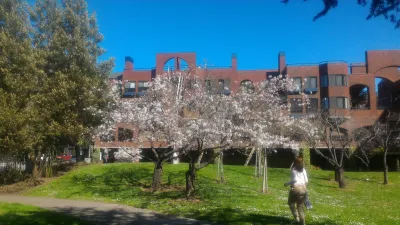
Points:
(54, 92)
(238, 201)
(305, 152)
(95, 156)
(377, 151)
(12, 175)
(17, 214)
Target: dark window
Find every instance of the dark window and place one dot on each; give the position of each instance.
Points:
(313, 106)
(129, 88)
(143, 86)
(125, 134)
(296, 105)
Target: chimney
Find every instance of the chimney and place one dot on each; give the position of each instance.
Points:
(234, 61)
(281, 62)
(128, 63)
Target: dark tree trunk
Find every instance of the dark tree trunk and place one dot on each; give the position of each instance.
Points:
(157, 176)
(190, 181)
(385, 169)
(35, 167)
(339, 174)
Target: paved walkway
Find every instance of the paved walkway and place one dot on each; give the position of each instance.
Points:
(101, 213)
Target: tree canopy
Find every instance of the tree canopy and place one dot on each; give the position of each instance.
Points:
(389, 9)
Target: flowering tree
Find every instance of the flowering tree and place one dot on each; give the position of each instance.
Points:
(325, 129)
(156, 117)
(251, 117)
(128, 154)
(384, 135)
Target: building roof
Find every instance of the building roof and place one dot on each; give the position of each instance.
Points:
(115, 75)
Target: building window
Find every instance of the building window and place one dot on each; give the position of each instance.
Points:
(296, 105)
(313, 106)
(337, 80)
(297, 81)
(221, 84)
(129, 88)
(324, 81)
(338, 103)
(341, 103)
(143, 86)
(313, 82)
(125, 134)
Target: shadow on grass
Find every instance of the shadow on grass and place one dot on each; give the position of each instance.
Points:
(124, 215)
(39, 218)
(233, 216)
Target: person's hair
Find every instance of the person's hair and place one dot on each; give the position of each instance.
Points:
(298, 164)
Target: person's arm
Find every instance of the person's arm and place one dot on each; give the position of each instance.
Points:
(293, 179)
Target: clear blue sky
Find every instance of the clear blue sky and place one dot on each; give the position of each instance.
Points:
(254, 29)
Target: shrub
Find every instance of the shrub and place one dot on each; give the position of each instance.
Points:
(10, 175)
(95, 156)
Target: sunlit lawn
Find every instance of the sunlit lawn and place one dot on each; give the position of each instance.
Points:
(239, 200)
(16, 214)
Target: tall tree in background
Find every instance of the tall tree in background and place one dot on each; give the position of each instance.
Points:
(389, 9)
(75, 86)
(19, 83)
(52, 89)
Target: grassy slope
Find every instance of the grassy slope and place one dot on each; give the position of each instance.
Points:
(238, 201)
(17, 214)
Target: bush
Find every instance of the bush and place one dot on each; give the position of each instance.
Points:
(95, 156)
(10, 175)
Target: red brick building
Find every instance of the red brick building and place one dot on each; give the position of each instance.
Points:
(360, 91)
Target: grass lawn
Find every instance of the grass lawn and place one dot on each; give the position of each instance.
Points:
(17, 214)
(238, 201)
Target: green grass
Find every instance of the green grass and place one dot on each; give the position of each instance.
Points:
(17, 214)
(238, 201)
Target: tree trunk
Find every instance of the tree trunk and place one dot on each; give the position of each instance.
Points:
(221, 168)
(385, 169)
(157, 176)
(200, 157)
(340, 176)
(35, 168)
(190, 181)
(265, 176)
(249, 157)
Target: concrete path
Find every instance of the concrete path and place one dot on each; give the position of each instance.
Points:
(101, 213)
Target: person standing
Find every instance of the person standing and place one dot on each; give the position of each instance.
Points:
(298, 190)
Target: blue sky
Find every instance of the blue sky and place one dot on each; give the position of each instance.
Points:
(256, 30)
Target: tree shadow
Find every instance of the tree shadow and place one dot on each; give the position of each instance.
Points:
(39, 218)
(118, 214)
(234, 216)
